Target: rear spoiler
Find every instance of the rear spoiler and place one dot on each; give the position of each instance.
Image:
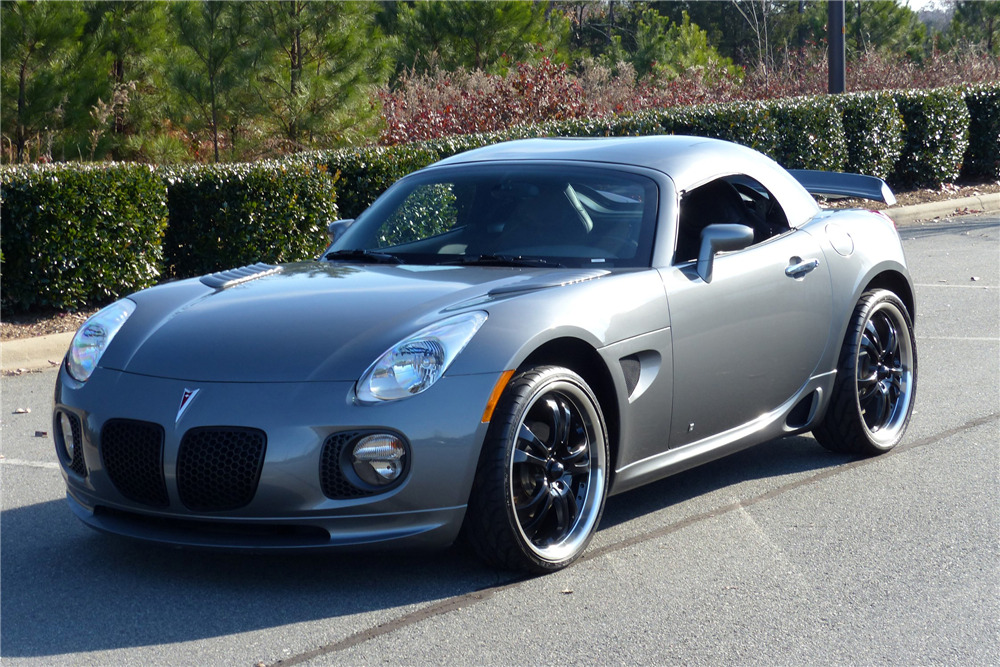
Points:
(836, 184)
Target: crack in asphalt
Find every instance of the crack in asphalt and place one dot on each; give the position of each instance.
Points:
(451, 604)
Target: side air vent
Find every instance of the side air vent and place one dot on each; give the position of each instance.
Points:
(630, 368)
(225, 279)
(639, 370)
(803, 411)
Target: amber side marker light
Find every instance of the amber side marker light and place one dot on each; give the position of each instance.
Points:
(495, 396)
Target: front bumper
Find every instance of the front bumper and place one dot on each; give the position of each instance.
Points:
(289, 506)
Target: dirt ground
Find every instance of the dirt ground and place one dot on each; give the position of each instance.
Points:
(49, 322)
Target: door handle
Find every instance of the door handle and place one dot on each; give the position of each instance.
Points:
(800, 267)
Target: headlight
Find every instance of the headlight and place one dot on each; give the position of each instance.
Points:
(93, 338)
(414, 364)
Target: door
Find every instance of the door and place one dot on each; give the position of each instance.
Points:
(747, 341)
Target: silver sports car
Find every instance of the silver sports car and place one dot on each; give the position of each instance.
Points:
(498, 344)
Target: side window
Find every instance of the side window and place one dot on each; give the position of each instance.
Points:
(739, 200)
(428, 211)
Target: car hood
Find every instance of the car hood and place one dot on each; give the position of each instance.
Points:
(312, 321)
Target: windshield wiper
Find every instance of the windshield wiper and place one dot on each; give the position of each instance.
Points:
(505, 260)
(365, 256)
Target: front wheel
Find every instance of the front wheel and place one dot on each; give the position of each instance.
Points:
(876, 381)
(542, 479)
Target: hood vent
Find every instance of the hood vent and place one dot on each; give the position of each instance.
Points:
(226, 279)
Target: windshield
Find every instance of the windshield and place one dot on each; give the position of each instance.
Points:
(516, 214)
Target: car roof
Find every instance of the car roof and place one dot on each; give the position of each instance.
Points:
(688, 161)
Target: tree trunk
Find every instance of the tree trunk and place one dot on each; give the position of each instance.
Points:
(22, 140)
(118, 70)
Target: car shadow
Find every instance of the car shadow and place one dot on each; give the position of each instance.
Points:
(67, 589)
(776, 458)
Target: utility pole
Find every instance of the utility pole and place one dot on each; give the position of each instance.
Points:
(835, 34)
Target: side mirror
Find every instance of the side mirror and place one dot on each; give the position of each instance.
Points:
(718, 238)
(337, 228)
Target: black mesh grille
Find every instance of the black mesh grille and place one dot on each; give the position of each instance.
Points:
(218, 468)
(331, 478)
(76, 432)
(132, 452)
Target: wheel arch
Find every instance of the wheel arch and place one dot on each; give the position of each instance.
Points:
(897, 283)
(581, 358)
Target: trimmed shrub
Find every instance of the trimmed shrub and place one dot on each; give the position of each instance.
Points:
(222, 216)
(873, 131)
(809, 134)
(982, 158)
(935, 138)
(747, 123)
(364, 173)
(75, 235)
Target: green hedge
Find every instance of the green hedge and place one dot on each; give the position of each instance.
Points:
(935, 137)
(809, 134)
(364, 173)
(223, 216)
(873, 132)
(74, 234)
(982, 158)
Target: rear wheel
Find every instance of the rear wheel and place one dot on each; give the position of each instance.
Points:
(542, 479)
(876, 379)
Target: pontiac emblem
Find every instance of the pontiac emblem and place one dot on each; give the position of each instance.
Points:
(186, 400)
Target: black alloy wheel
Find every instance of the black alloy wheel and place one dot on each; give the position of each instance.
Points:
(542, 479)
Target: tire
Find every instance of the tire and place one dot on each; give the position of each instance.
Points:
(542, 479)
(876, 383)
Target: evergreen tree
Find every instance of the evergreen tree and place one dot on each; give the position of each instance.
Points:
(474, 35)
(214, 64)
(119, 43)
(977, 23)
(322, 60)
(39, 40)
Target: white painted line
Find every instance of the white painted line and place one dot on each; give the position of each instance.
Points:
(959, 286)
(48, 465)
(989, 339)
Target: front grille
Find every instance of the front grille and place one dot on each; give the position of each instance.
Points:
(331, 477)
(132, 452)
(218, 467)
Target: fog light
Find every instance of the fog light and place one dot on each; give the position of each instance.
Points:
(69, 443)
(379, 459)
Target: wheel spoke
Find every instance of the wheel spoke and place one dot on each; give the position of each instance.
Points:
(564, 507)
(867, 384)
(891, 343)
(532, 504)
(871, 342)
(526, 435)
(543, 503)
(522, 456)
(574, 455)
(877, 407)
(560, 418)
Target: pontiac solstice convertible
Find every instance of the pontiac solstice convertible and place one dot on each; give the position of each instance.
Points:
(498, 344)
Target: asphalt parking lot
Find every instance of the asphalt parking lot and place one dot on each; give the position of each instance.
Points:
(782, 554)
